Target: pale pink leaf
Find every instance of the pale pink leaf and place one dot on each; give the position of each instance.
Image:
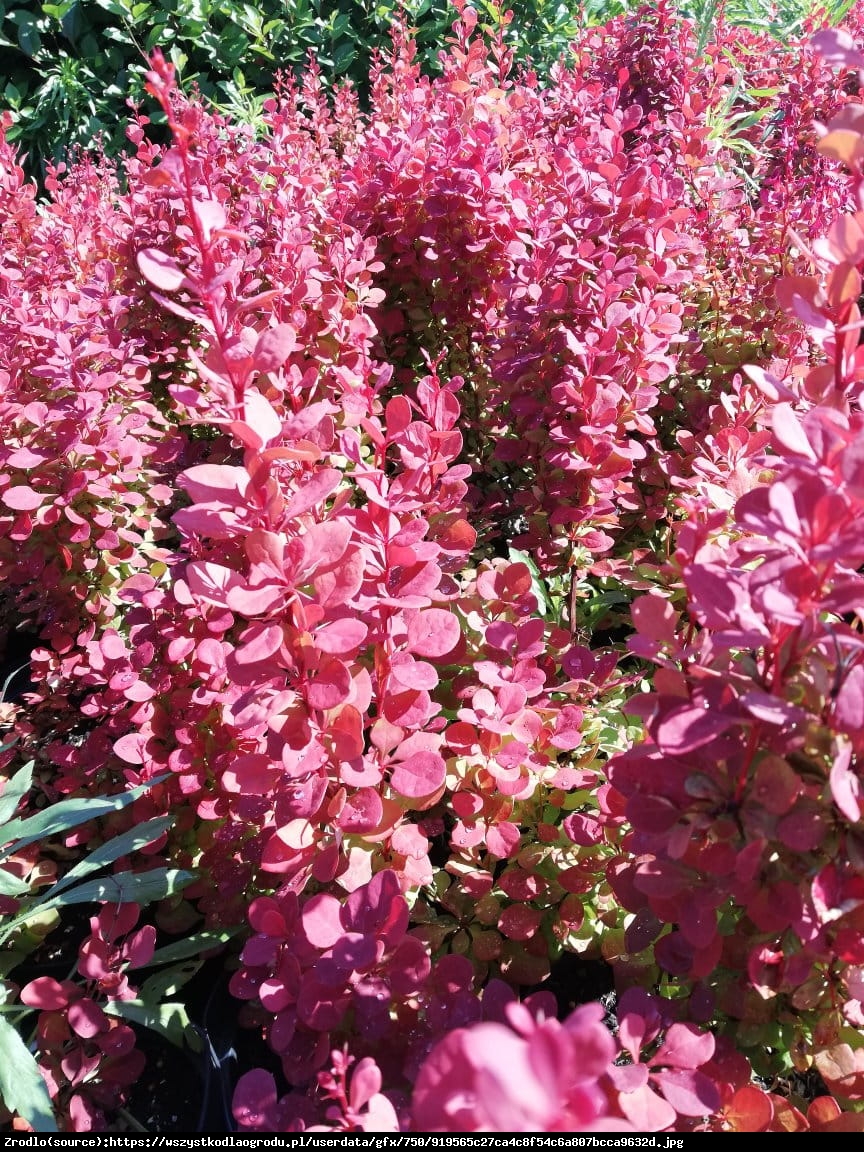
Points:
(838, 47)
(410, 673)
(686, 728)
(503, 839)
(654, 617)
(324, 544)
(128, 748)
(22, 498)
(690, 1093)
(845, 784)
(208, 482)
(262, 417)
(259, 644)
(341, 636)
(339, 585)
(322, 925)
(211, 582)
(274, 346)
(647, 1111)
(160, 269)
(433, 632)
(254, 774)
(789, 433)
(419, 775)
(330, 686)
(365, 1082)
(685, 1047)
(210, 215)
(316, 489)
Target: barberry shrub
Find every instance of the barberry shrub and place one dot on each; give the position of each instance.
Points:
(337, 463)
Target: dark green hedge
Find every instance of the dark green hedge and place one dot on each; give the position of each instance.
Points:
(67, 68)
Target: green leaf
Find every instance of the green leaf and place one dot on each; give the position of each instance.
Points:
(537, 586)
(66, 815)
(112, 850)
(169, 1020)
(58, 11)
(158, 987)
(29, 39)
(193, 945)
(14, 792)
(126, 888)
(12, 885)
(21, 1085)
(344, 56)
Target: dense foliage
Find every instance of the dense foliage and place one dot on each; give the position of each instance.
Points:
(70, 67)
(439, 530)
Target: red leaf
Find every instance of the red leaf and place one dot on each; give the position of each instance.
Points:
(46, 994)
(519, 922)
(698, 923)
(346, 732)
(822, 1111)
(86, 1018)
(255, 1099)
(409, 967)
(751, 1110)
(685, 729)
(363, 812)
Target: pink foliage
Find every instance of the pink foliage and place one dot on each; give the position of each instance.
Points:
(278, 412)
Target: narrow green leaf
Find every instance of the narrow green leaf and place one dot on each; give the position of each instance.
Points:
(112, 850)
(169, 1020)
(14, 792)
(12, 885)
(126, 888)
(161, 985)
(66, 815)
(192, 946)
(21, 1085)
